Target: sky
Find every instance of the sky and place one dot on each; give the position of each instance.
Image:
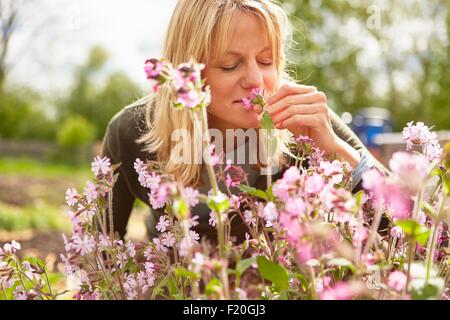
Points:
(54, 36)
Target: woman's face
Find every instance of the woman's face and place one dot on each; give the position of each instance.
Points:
(246, 64)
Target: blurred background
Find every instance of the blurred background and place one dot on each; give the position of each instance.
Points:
(66, 67)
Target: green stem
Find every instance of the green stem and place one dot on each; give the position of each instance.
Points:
(430, 251)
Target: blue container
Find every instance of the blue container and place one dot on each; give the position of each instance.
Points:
(369, 122)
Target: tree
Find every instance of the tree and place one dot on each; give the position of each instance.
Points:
(95, 102)
(403, 70)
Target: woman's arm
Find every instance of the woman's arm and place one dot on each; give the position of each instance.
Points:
(122, 197)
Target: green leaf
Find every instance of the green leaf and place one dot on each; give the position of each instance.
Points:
(244, 265)
(359, 196)
(427, 290)
(183, 272)
(446, 183)
(253, 191)
(273, 272)
(428, 208)
(415, 230)
(180, 208)
(266, 122)
(219, 203)
(213, 287)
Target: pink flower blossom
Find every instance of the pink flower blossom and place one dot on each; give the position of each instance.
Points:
(418, 134)
(168, 239)
(198, 262)
(332, 170)
(397, 280)
(295, 206)
(90, 192)
(84, 244)
(397, 232)
(213, 219)
(72, 197)
(191, 195)
(409, 170)
(249, 217)
(101, 166)
(341, 291)
(314, 183)
(11, 248)
(270, 214)
(163, 223)
(190, 99)
(131, 251)
(256, 98)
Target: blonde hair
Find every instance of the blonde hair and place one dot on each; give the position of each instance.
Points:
(199, 30)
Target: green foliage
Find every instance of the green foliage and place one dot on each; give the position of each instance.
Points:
(44, 217)
(273, 272)
(20, 117)
(75, 132)
(415, 230)
(98, 103)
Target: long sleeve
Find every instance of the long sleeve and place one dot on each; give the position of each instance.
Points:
(119, 144)
(122, 198)
(367, 162)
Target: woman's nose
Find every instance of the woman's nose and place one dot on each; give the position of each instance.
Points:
(253, 77)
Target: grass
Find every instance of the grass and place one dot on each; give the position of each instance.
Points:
(35, 168)
(44, 217)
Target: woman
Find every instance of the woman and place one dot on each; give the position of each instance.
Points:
(242, 44)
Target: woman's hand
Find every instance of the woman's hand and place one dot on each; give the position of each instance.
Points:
(304, 111)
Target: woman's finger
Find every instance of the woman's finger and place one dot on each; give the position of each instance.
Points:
(290, 89)
(295, 123)
(308, 98)
(299, 109)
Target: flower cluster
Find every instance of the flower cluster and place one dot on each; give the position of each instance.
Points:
(257, 98)
(420, 134)
(306, 236)
(185, 79)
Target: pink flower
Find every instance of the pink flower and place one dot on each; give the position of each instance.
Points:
(295, 206)
(291, 175)
(139, 166)
(190, 99)
(256, 99)
(213, 219)
(373, 180)
(409, 170)
(72, 197)
(90, 192)
(397, 280)
(153, 68)
(397, 232)
(11, 248)
(332, 170)
(194, 236)
(418, 134)
(215, 159)
(304, 252)
(341, 291)
(190, 195)
(168, 239)
(162, 224)
(159, 246)
(84, 244)
(101, 166)
(198, 261)
(314, 183)
(270, 214)
(250, 219)
(131, 251)
(158, 197)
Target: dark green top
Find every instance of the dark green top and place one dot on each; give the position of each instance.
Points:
(120, 146)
